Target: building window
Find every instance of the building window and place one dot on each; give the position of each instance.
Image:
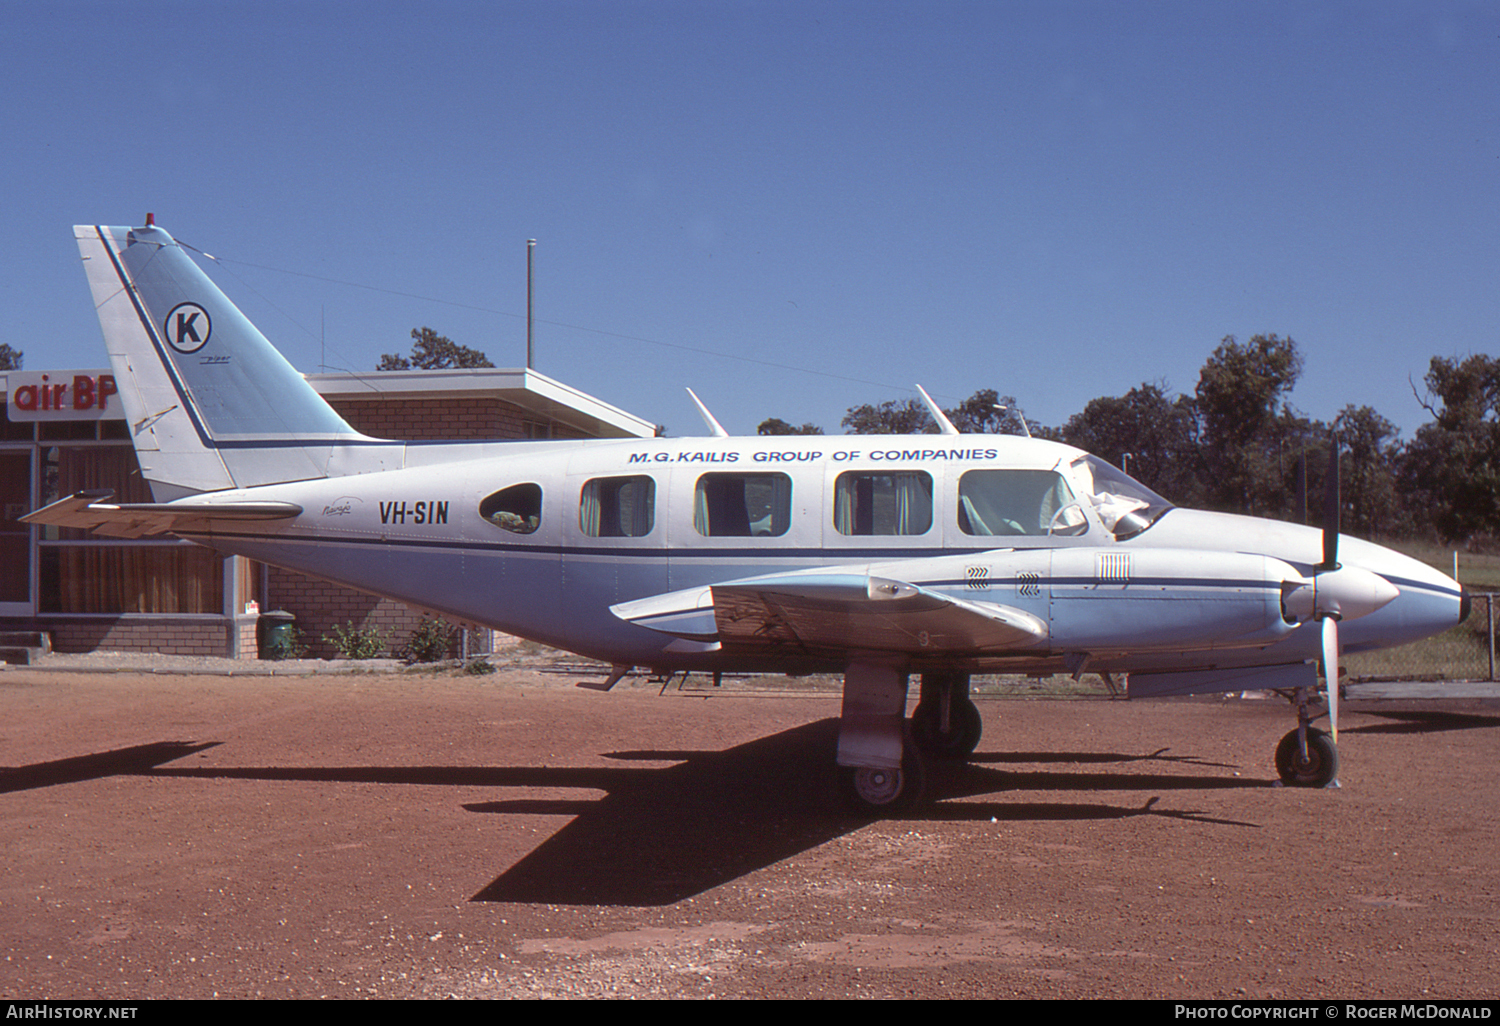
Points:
(517, 509)
(80, 572)
(1010, 502)
(69, 469)
(617, 507)
(883, 503)
(742, 505)
(163, 578)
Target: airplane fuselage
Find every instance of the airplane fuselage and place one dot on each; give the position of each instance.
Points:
(876, 556)
(584, 526)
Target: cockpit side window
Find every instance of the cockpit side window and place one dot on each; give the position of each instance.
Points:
(878, 503)
(617, 507)
(1018, 502)
(742, 505)
(1124, 505)
(517, 509)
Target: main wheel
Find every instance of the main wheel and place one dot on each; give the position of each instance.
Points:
(883, 792)
(965, 728)
(1319, 770)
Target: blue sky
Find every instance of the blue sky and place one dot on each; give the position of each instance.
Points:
(792, 208)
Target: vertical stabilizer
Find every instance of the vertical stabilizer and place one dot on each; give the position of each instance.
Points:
(210, 402)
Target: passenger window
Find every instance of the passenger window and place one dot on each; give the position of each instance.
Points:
(1010, 502)
(742, 505)
(517, 509)
(878, 503)
(617, 507)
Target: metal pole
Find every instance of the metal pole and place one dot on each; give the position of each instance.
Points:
(530, 248)
(1489, 601)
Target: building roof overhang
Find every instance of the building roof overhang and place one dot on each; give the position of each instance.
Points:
(544, 398)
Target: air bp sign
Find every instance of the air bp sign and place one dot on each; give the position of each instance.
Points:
(187, 327)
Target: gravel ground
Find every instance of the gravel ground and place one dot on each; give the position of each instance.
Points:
(432, 834)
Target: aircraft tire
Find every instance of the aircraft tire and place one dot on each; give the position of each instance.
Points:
(1321, 768)
(884, 792)
(959, 742)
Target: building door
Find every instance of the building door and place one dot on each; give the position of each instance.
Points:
(15, 537)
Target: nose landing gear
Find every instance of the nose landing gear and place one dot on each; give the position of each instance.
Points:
(1307, 757)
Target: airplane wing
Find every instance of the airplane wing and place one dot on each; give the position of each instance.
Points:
(88, 510)
(834, 610)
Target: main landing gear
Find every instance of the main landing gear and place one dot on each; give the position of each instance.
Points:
(881, 756)
(1307, 757)
(946, 723)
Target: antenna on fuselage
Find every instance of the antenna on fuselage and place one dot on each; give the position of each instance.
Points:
(945, 426)
(1020, 415)
(708, 418)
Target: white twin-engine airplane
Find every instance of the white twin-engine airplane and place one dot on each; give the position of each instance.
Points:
(872, 556)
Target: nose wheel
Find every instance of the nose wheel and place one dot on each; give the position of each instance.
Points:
(1316, 766)
(1307, 757)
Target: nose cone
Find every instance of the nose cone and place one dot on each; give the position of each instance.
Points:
(1430, 603)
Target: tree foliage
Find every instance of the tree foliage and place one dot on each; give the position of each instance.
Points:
(777, 426)
(1153, 437)
(986, 412)
(1239, 397)
(907, 417)
(1237, 444)
(431, 351)
(10, 359)
(1452, 466)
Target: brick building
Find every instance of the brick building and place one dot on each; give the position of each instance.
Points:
(167, 595)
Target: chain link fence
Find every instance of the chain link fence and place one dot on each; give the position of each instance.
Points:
(1467, 652)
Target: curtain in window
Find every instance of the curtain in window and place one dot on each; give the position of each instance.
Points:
(642, 513)
(588, 510)
(781, 503)
(913, 503)
(883, 504)
(843, 503)
(132, 579)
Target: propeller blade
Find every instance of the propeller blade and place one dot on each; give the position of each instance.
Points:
(1331, 507)
(1331, 672)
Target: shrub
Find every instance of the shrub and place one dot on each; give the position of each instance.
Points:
(353, 642)
(429, 643)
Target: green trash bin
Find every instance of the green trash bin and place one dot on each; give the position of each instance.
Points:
(276, 635)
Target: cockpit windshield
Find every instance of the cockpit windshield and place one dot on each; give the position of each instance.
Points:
(1126, 506)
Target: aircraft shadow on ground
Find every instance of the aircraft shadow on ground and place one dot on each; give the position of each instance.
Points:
(1424, 722)
(717, 816)
(662, 834)
(133, 761)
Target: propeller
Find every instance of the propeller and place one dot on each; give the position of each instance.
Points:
(1329, 613)
(1334, 593)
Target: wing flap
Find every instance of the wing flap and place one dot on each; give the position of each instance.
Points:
(835, 610)
(89, 511)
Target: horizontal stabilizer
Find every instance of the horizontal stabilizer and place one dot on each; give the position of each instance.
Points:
(89, 511)
(835, 610)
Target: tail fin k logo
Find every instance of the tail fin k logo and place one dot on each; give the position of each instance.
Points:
(187, 327)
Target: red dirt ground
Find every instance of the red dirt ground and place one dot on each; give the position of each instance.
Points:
(514, 836)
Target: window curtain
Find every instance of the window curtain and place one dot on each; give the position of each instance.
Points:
(588, 510)
(642, 494)
(132, 579)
